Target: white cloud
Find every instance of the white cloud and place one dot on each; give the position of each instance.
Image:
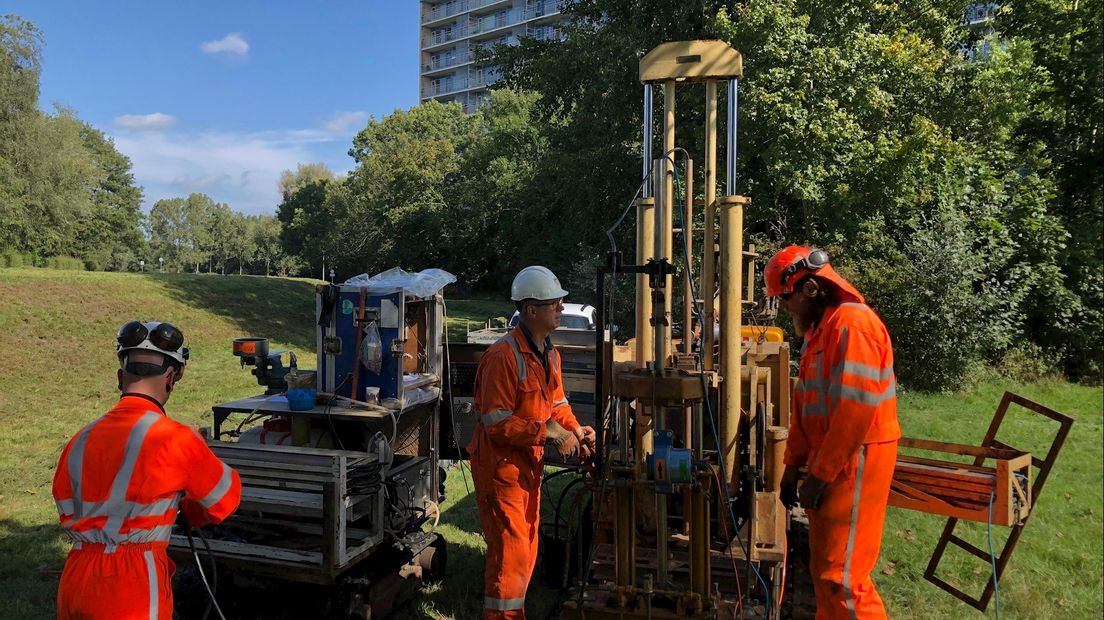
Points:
(241, 169)
(153, 121)
(233, 44)
(344, 121)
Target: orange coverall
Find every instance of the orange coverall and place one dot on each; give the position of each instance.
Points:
(845, 430)
(117, 487)
(514, 397)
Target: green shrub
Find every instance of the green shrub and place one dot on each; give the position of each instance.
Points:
(11, 258)
(64, 263)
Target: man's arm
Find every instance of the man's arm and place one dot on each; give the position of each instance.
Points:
(496, 387)
(797, 445)
(63, 486)
(212, 490)
(861, 379)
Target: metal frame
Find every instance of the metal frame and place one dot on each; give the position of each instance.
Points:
(1045, 464)
(310, 485)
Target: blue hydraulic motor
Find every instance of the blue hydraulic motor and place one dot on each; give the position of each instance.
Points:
(669, 465)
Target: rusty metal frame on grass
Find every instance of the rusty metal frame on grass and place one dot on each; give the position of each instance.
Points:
(1044, 466)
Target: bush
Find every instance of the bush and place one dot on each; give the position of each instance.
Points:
(11, 258)
(65, 263)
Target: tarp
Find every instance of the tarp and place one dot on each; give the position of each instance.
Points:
(425, 283)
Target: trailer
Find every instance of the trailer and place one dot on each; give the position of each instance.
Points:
(341, 482)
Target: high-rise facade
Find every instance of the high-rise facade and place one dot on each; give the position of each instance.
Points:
(452, 31)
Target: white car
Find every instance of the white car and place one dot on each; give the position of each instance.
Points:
(575, 316)
(577, 326)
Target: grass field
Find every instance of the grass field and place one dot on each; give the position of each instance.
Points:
(57, 369)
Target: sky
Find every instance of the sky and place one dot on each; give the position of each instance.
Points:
(221, 97)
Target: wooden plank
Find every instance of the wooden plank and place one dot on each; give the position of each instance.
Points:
(969, 480)
(950, 484)
(907, 458)
(282, 502)
(356, 535)
(1003, 452)
(248, 480)
(260, 553)
(246, 463)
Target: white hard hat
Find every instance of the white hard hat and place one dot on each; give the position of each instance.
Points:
(538, 283)
(154, 336)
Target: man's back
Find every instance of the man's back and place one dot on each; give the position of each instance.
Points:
(118, 486)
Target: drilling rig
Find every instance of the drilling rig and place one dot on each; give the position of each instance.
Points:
(689, 522)
(686, 518)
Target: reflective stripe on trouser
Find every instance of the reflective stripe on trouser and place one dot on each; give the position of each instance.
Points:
(509, 514)
(127, 584)
(845, 535)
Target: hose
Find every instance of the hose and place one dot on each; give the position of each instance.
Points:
(203, 577)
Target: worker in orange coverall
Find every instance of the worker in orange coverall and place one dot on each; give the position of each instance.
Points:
(844, 428)
(121, 479)
(519, 396)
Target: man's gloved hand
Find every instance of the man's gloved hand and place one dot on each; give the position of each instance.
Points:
(587, 436)
(811, 491)
(567, 444)
(787, 491)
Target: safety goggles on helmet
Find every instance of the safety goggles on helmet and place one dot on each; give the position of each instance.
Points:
(153, 336)
(815, 261)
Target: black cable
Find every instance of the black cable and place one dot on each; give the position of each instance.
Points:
(329, 403)
(560, 499)
(203, 577)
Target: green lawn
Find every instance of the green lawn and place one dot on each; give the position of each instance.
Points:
(57, 373)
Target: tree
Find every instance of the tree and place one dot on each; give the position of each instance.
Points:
(870, 129)
(305, 174)
(397, 193)
(110, 235)
(307, 216)
(243, 246)
(266, 238)
(64, 189)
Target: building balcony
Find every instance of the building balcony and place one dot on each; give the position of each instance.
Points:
(444, 36)
(446, 87)
(545, 33)
(444, 11)
(447, 61)
(542, 8)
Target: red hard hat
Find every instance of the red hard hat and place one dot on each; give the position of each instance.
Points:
(792, 263)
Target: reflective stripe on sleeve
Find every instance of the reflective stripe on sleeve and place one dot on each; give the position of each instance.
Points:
(559, 403)
(503, 604)
(864, 397)
(864, 371)
(216, 494)
(494, 417)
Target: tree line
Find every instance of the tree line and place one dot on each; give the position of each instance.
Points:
(950, 167)
(949, 162)
(68, 198)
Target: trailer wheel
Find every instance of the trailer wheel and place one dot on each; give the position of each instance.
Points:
(432, 561)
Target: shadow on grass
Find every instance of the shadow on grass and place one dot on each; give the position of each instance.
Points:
(274, 308)
(33, 556)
